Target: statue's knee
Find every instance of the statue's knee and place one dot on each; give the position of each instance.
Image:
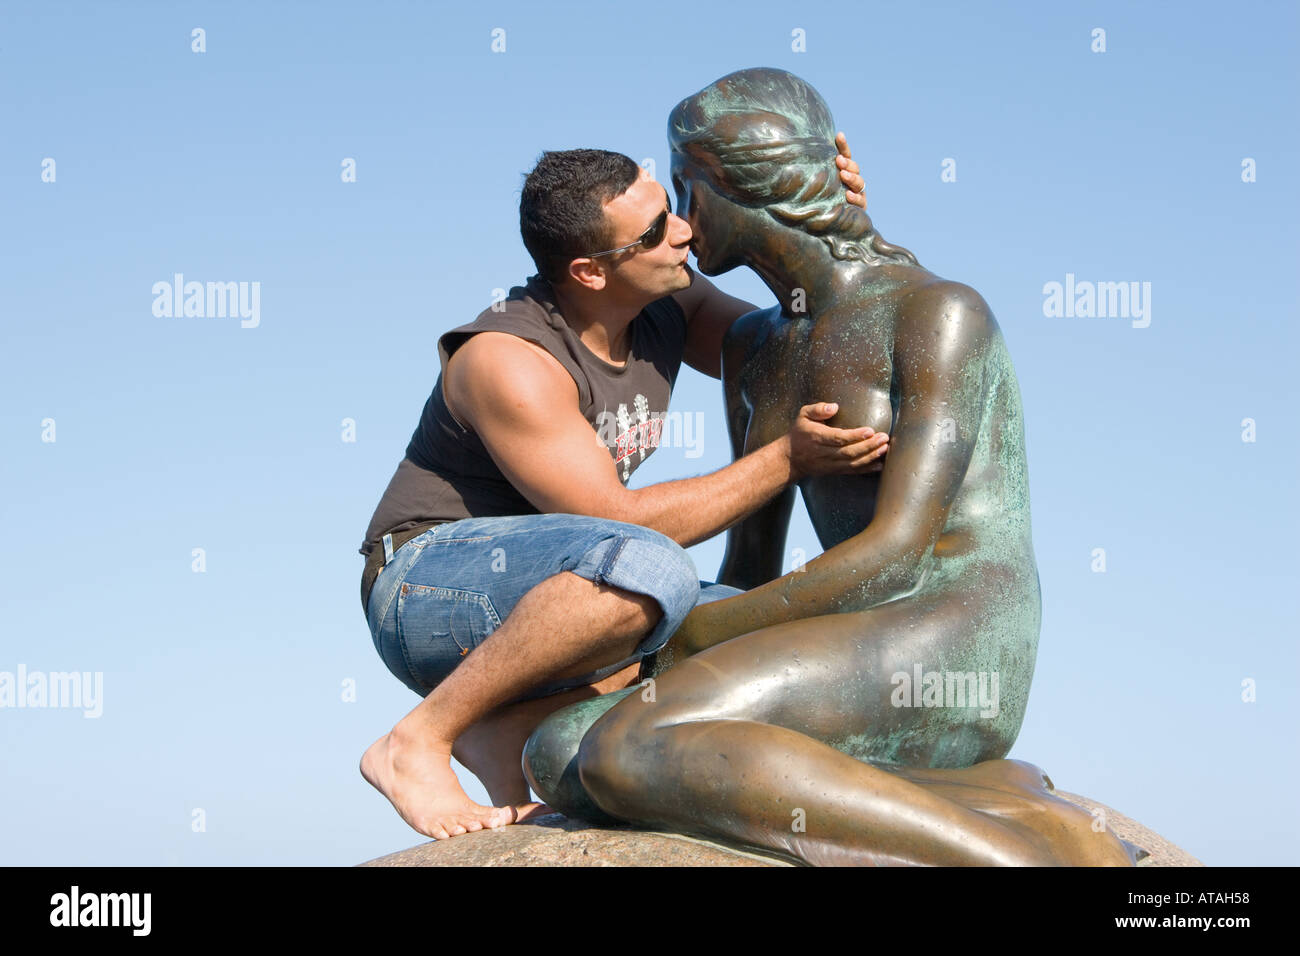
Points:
(551, 756)
(612, 759)
(547, 752)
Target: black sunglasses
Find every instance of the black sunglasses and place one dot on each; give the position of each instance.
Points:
(647, 240)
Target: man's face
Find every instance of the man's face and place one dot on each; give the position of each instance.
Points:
(647, 272)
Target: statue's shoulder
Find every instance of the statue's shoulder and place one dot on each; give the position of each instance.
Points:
(931, 301)
(744, 338)
(927, 293)
(752, 328)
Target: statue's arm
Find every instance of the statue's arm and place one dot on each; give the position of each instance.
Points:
(755, 544)
(940, 358)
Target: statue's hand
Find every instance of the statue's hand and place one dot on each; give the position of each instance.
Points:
(690, 637)
(696, 633)
(854, 183)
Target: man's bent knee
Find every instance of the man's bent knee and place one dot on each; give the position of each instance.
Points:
(649, 564)
(646, 585)
(636, 614)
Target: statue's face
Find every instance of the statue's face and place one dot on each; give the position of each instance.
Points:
(715, 221)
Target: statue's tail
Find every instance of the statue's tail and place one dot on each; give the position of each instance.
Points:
(551, 756)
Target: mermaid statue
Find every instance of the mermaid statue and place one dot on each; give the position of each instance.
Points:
(859, 709)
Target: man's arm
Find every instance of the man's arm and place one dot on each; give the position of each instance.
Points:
(709, 313)
(941, 369)
(524, 407)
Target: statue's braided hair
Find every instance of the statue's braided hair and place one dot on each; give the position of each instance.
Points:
(765, 139)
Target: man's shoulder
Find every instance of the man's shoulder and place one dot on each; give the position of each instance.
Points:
(532, 301)
(522, 313)
(496, 373)
(498, 354)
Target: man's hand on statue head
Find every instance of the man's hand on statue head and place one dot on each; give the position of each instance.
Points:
(819, 449)
(849, 171)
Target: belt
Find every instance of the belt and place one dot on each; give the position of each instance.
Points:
(379, 558)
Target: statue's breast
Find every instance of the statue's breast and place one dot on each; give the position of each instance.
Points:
(801, 361)
(845, 362)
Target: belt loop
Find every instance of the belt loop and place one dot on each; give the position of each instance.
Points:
(388, 549)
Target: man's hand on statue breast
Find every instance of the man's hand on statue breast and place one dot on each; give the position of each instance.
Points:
(819, 449)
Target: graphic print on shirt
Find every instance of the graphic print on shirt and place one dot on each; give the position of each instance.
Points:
(638, 437)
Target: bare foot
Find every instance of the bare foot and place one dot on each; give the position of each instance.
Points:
(418, 781)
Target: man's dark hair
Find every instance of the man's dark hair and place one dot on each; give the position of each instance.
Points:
(560, 214)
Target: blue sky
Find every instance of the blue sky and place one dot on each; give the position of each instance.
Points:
(223, 690)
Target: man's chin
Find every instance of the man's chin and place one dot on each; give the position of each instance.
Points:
(682, 278)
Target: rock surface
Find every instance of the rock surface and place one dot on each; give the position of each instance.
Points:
(559, 841)
(1163, 853)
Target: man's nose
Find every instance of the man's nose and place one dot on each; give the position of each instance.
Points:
(680, 230)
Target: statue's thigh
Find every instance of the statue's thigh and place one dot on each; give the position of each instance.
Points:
(851, 680)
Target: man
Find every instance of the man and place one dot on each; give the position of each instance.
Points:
(516, 536)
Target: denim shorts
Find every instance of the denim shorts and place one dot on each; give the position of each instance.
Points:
(446, 590)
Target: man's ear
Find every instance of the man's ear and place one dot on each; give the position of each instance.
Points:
(588, 273)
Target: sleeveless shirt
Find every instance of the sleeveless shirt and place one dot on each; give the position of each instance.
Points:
(448, 474)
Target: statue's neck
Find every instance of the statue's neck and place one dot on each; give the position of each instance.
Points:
(802, 273)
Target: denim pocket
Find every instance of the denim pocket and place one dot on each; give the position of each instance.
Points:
(437, 627)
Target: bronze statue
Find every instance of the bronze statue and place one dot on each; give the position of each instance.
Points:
(856, 710)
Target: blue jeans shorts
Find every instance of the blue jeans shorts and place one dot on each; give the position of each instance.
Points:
(446, 590)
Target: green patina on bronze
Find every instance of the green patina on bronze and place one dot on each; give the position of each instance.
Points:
(784, 704)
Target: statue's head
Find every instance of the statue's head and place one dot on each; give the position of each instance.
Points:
(754, 150)
(579, 204)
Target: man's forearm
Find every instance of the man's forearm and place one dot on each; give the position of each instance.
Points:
(695, 509)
